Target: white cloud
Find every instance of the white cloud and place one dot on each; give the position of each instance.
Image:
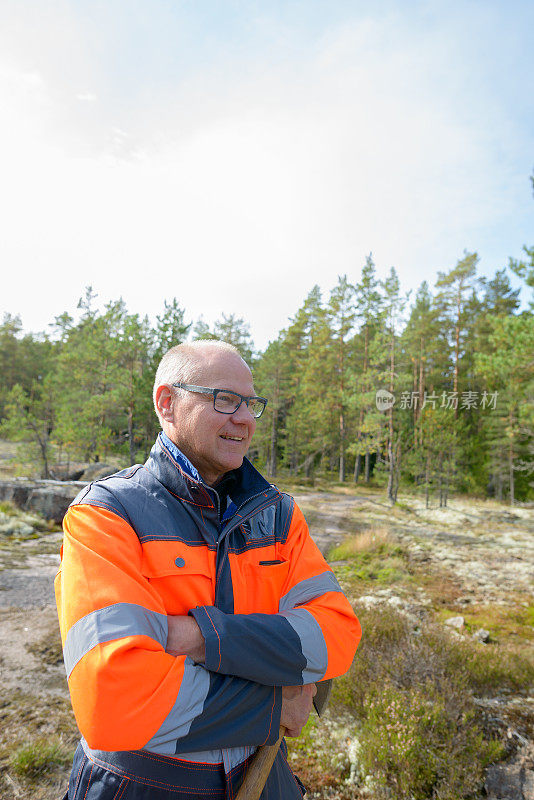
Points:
(87, 97)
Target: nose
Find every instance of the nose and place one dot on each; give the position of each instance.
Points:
(243, 414)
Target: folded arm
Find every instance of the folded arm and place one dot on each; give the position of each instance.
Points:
(313, 636)
(127, 691)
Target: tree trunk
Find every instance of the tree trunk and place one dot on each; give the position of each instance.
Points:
(394, 467)
(274, 442)
(131, 433)
(457, 344)
(357, 468)
(341, 446)
(447, 484)
(367, 466)
(511, 472)
(421, 391)
(498, 481)
(398, 461)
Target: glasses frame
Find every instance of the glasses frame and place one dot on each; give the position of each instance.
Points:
(189, 387)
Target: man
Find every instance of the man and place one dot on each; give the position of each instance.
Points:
(196, 612)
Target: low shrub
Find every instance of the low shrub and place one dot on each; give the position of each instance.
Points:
(410, 692)
(415, 748)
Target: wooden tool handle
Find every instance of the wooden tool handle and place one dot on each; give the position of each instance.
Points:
(258, 771)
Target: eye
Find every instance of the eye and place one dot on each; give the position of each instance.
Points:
(226, 401)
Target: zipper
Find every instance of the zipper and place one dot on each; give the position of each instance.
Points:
(222, 556)
(233, 524)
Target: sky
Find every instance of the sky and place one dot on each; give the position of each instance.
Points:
(232, 154)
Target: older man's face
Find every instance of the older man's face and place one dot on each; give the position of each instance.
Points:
(214, 443)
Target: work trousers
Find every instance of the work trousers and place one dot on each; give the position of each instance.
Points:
(141, 775)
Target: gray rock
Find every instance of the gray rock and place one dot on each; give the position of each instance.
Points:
(504, 783)
(50, 499)
(513, 780)
(16, 527)
(95, 471)
(482, 635)
(455, 622)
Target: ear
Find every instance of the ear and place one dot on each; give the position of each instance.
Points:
(164, 402)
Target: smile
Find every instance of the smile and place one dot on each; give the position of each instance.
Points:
(232, 438)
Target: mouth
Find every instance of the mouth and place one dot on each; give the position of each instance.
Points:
(232, 438)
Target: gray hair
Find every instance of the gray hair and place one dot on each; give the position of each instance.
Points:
(183, 363)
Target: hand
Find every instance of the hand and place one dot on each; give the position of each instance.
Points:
(185, 639)
(297, 702)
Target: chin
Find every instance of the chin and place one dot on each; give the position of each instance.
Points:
(235, 463)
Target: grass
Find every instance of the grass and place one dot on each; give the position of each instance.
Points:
(38, 736)
(7, 508)
(371, 557)
(11, 511)
(370, 541)
(36, 759)
(407, 709)
(506, 624)
(411, 695)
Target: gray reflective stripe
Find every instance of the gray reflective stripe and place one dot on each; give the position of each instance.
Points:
(201, 757)
(312, 643)
(309, 589)
(188, 705)
(230, 757)
(112, 622)
(236, 755)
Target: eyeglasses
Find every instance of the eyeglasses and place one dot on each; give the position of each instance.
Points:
(226, 402)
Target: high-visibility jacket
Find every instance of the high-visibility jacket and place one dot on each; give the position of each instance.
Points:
(148, 542)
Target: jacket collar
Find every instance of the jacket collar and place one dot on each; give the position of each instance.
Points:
(179, 476)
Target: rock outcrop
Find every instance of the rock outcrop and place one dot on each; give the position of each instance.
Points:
(48, 498)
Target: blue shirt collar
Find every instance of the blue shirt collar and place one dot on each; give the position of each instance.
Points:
(183, 461)
(192, 471)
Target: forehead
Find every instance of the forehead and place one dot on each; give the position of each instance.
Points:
(225, 370)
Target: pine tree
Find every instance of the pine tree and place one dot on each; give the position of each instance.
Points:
(29, 417)
(341, 317)
(509, 371)
(394, 305)
(456, 288)
(171, 329)
(234, 330)
(271, 380)
(422, 349)
(296, 343)
(368, 307)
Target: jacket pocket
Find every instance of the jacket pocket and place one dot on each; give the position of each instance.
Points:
(183, 576)
(265, 581)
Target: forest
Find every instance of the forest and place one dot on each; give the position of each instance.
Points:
(432, 392)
